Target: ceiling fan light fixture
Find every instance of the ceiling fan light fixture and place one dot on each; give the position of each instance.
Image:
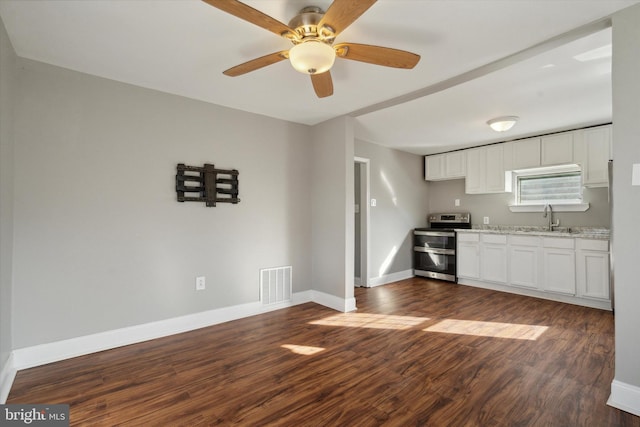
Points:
(312, 57)
(503, 124)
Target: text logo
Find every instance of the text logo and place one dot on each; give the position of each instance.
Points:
(34, 415)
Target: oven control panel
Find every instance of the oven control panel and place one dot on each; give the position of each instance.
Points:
(449, 218)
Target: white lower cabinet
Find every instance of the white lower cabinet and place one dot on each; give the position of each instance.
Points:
(493, 258)
(559, 271)
(524, 261)
(468, 255)
(592, 268)
(559, 259)
(568, 269)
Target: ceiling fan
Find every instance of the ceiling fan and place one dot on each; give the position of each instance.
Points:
(312, 33)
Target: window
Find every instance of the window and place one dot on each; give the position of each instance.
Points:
(558, 186)
(561, 188)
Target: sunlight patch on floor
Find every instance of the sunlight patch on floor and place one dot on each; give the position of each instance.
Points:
(302, 349)
(488, 329)
(367, 320)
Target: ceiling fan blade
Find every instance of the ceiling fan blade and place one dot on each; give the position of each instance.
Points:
(249, 14)
(257, 63)
(377, 55)
(342, 13)
(322, 84)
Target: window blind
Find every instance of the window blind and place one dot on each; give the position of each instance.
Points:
(558, 188)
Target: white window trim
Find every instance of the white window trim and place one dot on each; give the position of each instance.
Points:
(539, 207)
(573, 207)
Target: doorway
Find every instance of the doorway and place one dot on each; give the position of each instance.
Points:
(361, 225)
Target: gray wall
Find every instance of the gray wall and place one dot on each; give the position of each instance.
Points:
(332, 207)
(398, 185)
(7, 76)
(626, 208)
(442, 195)
(101, 242)
(357, 218)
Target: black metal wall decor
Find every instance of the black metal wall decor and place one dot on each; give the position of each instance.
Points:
(212, 185)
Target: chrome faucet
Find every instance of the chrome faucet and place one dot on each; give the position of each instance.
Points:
(548, 213)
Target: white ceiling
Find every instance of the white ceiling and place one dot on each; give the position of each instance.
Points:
(182, 47)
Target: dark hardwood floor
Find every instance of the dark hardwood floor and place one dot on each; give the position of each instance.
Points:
(416, 352)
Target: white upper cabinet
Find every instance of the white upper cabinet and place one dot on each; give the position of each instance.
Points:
(445, 166)
(494, 164)
(592, 151)
(434, 167)
(475, 180)
(455, 164)
(556, 149)
(484, 167)
(526, 154)
(507, 150)
(485, 170)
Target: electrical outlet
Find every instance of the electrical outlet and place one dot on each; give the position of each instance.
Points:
(456, 202)
(486, 220)
(374, 202)
(200, 283)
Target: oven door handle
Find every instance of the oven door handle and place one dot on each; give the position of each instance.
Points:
(434, 233)
(434, 251)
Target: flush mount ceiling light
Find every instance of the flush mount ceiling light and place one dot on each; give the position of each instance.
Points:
(312, 57)
(502, 124)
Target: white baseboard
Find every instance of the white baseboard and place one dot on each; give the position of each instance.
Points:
(37, 355)
(302, 297)
(350, 305)
(390, 278)
(625, 397)
(29, 357)
(7, 375)
(330, 301)
(334, 302)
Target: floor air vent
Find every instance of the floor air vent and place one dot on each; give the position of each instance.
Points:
(275, 285)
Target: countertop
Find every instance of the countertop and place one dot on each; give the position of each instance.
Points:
(581, 232)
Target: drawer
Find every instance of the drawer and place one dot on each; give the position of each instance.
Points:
(593, 245)
(468, 237)
(558, 242)
(499, 239)
(524, 240)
